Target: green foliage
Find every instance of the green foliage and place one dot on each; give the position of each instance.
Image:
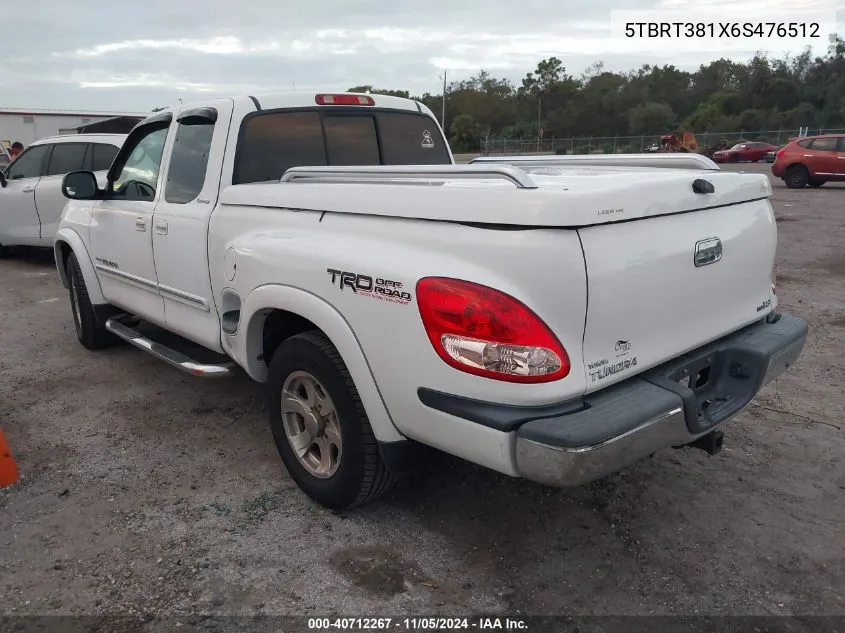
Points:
(722, 96)
(650, 116)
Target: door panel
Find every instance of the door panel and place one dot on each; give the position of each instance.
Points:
(824, 159)
(840, 158)
(122, 225)
(180, 224)
(19, 222)
(49, 199)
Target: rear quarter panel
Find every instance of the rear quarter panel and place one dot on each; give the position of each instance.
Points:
(543, 268)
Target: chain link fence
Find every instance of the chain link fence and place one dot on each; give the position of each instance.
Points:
(634, 144)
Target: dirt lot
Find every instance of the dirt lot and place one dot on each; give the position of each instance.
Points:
(145, 491)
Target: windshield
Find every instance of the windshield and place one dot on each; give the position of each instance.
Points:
(739, 146)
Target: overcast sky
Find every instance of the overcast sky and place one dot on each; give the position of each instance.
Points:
(97, 55)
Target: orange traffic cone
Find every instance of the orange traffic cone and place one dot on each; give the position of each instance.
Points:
(8, 468)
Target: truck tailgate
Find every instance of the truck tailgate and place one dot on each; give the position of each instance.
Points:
(661, 286)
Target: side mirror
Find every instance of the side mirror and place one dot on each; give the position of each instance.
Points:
(80, 185)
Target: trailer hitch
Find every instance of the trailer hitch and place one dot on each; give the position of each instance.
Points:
(710, 443)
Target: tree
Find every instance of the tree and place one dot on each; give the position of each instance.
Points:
(379, 91)
(465, 135)
(720, 96)
(651, 118)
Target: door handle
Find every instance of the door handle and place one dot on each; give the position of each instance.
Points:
(140, 223)
(28, 190)
(161, 227)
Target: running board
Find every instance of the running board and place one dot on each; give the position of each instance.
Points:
(167, 354)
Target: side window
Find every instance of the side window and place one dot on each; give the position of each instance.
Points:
(136, 178)
(67, 157)
(188, 162)
(411, 139)
(103, 156)
(271, 143)
(30, 164)
(824, 144)
(351, 140)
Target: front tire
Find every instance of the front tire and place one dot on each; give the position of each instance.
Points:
(320, 427)
(90, 330)
(796, 177)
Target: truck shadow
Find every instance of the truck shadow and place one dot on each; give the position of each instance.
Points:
(30, 257)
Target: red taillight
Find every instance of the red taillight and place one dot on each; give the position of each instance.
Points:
(780, 153)
(488, 333)
(356, 100)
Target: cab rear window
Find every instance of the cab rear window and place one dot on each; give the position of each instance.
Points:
(273, 141)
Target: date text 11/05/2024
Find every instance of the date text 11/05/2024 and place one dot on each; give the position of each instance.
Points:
(417, 624)
(723, 29)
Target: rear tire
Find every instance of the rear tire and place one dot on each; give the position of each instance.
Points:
(815, 184)
(796, 177)
(90, 329)
(311, 398)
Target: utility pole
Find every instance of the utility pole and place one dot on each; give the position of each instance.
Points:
(443, 112)
(539, 123)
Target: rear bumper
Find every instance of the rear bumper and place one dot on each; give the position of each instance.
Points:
(575, 442)
(653, 411)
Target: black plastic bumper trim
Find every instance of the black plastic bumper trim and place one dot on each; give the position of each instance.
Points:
(741, 363)
(501, 417)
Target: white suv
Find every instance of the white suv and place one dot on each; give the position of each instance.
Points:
(31, 199)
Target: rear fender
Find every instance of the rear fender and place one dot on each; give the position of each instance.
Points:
(246, 346)
(65, 238)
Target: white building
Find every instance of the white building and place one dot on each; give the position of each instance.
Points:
(30, 125)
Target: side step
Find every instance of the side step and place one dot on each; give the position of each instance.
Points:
(167, 354)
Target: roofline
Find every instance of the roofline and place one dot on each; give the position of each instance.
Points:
(76, 113)
(75, 137)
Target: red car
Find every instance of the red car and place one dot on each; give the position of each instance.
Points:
(751, 151)
(811, 160)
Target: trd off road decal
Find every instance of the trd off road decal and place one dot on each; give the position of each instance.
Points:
(367, 286)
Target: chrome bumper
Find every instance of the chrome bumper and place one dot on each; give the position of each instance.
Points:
(651, 412)
(564, 467)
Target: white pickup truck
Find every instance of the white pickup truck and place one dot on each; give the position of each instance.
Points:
(549, 318)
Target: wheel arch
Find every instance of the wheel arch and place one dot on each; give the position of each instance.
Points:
(286, 311)
(68, 241)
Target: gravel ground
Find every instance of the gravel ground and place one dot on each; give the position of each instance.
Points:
(146, 491)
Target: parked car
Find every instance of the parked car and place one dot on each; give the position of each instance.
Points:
(751, 151)
(376, 294)
(811, 160)
(31, 199)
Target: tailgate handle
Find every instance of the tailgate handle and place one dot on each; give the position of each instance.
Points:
(699, 185)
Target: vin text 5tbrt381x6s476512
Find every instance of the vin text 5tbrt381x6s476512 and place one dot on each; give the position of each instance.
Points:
(553, 318)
